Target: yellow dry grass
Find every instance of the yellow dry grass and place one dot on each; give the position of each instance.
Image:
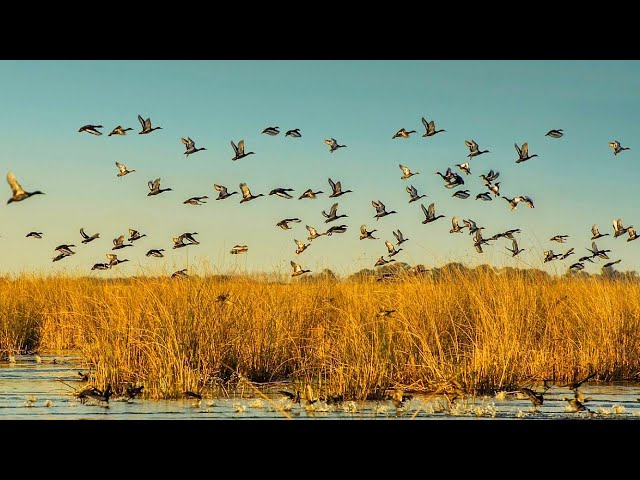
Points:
(480, 331)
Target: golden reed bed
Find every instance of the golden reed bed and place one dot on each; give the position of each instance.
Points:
(478, 329)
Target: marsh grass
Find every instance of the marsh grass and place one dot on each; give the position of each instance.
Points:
(480, 331)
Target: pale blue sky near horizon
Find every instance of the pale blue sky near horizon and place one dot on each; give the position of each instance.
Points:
(575, 181)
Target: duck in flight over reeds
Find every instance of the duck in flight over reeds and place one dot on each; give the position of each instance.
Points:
(122, 170)
(300, 246)
(576, 266)
(618, 228)
(135, 235)
(406, 172)
(190, 146)
(92, 129)
(271, 131)
(308, 193)
(399, 237)
(430, 128)
(146, 125)
(119, 131)
(596, 232)
(19, 193)
(224, 193)
(246, 193)
(333, 214)
(196, 200)
(114, 260)
(567, 254)
(238, 150)
(402, 133)
(313, 233)
(474, 150)
(455, 227)
(295, 133)
(430, 213)
(381, 210)
(413, 194)
(239, 249)
(554, 133)
(333, 144)
(523, 153)
(34, 234)
(180, 274)
(336, 229)
(632, 233)
(364, 233)
(381, 261)
(297, 269)
(101, 266)
(155, 252)
(154, 187)
(611, 264)
(336, 188)
(514, 248)
(119, 243)
(281, 192)
(392, 249)
(596, 252)
(284, 224)
(617, 148)
(88, 238)
(559, 238)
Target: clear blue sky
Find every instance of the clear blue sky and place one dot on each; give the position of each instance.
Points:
(575, 181)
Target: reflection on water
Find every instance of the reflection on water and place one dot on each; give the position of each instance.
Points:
(32, 388)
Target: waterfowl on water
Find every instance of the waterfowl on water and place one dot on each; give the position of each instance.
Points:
(180, 274)
(406, 172)
(190, 146)
(123, 170)
(557, 133)
(154, 187)
(381, 261)
(611, 264)
(114, 260)
(575, 384)
(392, 249)
(617, 148)
(88, 238)
(238, 150)
(295, 132)
(399, 237)
(146, 125)
(430, 213)
(618, 228)
(336, 229)
(464, 167)
(92, 129)
(455, 227)
(632, 233)
(135, 235)
(364, 233)
(281, 192)
(284, 224)
(474, 150)
(155, 252)
(490, 177)
(413, 194)
(119, 131)
(99, 396)
(224, 193)
(523, 153)
(246, 193)
(336, 188)
(196, 200)
(402, 133)
(34, 234)
(271, 131)
(132, 392)
(380, 209)
(239, 249)
(297, 269)
(559, 238)
(596, 232)
(300, 246)
(333, 144)
(575, 405)
(332, 215)
(514, 248)
(463, 194)
(308, 193)
(430, 128)
(485, 196)
(19, 193)
(119, 243)
(537, 399)
(313, 233)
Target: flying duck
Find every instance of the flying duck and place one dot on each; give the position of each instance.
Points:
(238, 150)
(474, 150)
(336, 188)
(190, 146)
(381, 261)
(447, 175)
(246, 193)
(528, 201)
(537, 399)
(632, 233)
(455, 227)
(523, 153)
(399, 237)
(281, 192)
(196, 200)
(549, 255)
(180, 274)
(238, 249)
(293, 133)
(297, 269)
(119, 243)
(514, 249)
(413, 194)
(336, 229)
(123, 170)
(567, 254)
(119, 131)
(271, 131)
(463, 194)
(155, 252)
(576, 266)
(402, 133)
(406, 173)
(495, 188)
(557, 133)
(101, 266)
(380, 209)
(610, 264)
(332, 215)
(146, 125)
(135, 235)
(333, 144)
(596, 232)
(18, 192)
(618, 229)
(489, 177)
(88, 238)
(596, 252)
(464, 167)
(430, 213)
(308, 193)
(454, 180)
(559, 238)
(113, 259)
(430, 128)
(617, 148)
(313, 233)
(301, 246)
(223, 192)
(364, 233)
(485, 196)
(34, 234)
(154, 187)
(92, 129)
(284, 224)
(471, 226)
(392, 249)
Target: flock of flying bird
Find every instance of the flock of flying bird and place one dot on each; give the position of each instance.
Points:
(452, 180)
